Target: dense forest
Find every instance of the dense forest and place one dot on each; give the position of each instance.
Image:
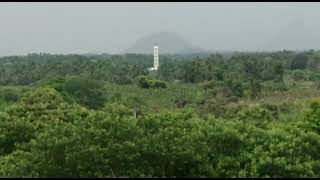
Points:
(237, 115)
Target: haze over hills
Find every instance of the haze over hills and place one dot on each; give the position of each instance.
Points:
(291, 38)
(169, 43)
(173, 43)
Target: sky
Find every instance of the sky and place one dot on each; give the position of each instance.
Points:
(110, 27)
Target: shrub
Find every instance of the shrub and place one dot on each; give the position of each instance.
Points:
(314, 77)
(299, 75)
(300, 61)
(42, 98)
(257, 115)
(146, 82)
(313, 117)
(143, 82)
(9, 95)
(86, 92)
(275, 86)
(157, 84)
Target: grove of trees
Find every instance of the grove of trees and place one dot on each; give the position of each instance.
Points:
(247, 115)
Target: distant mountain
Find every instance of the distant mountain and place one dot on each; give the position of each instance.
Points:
(169, 43)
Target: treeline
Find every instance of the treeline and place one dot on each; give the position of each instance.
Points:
(26, 70)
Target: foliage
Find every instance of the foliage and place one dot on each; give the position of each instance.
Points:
(299, 75)
(10, 94)
(300, 61)
(84, 91)
(147, 82)
(210, 116)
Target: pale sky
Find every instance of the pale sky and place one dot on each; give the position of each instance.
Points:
(106, 27)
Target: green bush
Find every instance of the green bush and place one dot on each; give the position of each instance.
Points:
(300, 61)
(87, 92)
(313, 117)
(14, 131)
(260, 116)
(157, 84)
(275, 86)
(314, 77)
(147, 82)
(143, 82)
(9, 95)
(42, 98)
(299, 75)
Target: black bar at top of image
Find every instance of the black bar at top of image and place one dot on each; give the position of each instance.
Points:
(158, 1)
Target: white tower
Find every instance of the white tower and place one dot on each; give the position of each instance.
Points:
(155, 57)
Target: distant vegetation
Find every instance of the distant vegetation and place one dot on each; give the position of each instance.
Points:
(241, 115)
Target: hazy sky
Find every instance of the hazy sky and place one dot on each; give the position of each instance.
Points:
(112, 27)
